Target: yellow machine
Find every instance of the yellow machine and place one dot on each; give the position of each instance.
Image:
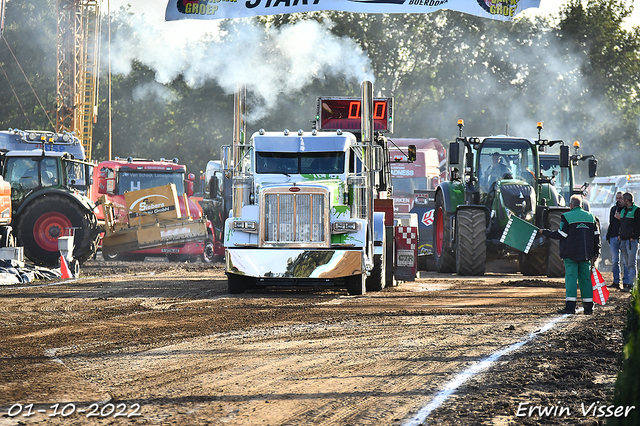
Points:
(153, 220)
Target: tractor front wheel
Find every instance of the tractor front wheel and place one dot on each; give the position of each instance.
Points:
(471, 252)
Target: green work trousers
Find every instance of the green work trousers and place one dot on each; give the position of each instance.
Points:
(578, 274)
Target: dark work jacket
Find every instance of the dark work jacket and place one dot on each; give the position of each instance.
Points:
(614, 224)
(630, 223)
(579, 235)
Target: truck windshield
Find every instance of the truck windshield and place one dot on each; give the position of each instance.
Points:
(300, 162)
(135, 181)
(505, 160)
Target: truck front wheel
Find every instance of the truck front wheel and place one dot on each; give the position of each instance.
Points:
(356, 284)
(208, 255)
(45, 219)
(378, 277)
(238, 284)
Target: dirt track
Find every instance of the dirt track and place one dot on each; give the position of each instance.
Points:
(167, 338)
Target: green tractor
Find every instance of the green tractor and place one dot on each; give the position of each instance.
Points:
(501, 178)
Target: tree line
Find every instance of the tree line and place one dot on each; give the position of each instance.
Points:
(578, 73)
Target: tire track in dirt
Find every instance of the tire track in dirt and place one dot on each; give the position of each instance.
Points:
(319, 376)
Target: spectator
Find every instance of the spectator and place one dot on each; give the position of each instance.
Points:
(629, 233)
(613, 238)
(579, 236)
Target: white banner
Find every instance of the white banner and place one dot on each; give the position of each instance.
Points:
(225, 9)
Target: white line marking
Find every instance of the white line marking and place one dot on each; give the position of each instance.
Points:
(460, 379)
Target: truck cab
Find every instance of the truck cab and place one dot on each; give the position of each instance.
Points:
(311, 207)
(116, 177)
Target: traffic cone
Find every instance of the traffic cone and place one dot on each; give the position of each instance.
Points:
(64, 268)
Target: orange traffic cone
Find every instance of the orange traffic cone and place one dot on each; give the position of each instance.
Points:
(64, 268)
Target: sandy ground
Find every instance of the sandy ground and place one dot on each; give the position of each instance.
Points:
(163, 343)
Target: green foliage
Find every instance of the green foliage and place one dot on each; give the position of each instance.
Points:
(627, 387)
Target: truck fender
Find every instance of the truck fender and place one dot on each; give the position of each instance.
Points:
(378, 232)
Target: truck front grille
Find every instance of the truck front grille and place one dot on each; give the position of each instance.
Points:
(295, 218)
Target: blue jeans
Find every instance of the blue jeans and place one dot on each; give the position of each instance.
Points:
(629, 256)
(614, 247)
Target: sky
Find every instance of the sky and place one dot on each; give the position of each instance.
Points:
(554, 6)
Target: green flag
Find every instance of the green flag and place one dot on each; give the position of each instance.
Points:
(519, 234)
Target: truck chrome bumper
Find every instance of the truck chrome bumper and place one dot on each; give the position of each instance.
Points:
(294, 263)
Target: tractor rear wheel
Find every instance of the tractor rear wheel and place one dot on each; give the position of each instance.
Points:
(445, 257)
(555, 264)
(471, 252)
(534, 263)
(45, 219)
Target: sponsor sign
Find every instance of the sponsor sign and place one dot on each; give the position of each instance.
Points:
(504, 10)
(427, 217)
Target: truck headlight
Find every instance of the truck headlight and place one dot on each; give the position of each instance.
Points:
(246, 226)
(344, 227)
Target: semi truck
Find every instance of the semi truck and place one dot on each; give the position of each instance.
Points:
(414, 185)
(311, 207)
(114, 178)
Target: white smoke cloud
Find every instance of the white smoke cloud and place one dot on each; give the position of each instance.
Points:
(267, 61)
(153, 90)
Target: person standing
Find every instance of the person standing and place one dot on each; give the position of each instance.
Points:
(629, 233)
(579, 236)
(613, 238)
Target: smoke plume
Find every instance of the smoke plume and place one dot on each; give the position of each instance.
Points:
(269, 61)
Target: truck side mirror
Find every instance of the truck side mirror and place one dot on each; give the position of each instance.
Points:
(593, 167)
(102, 185)
(106, 186)
(213, 187)
(412, 153)
(378, 158)
(189, 186)
(564, 156)
(225, 157)
(454, 153)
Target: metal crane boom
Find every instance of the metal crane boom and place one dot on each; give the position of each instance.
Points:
(77, 63)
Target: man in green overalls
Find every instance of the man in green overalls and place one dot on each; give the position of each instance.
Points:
(579, 236)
